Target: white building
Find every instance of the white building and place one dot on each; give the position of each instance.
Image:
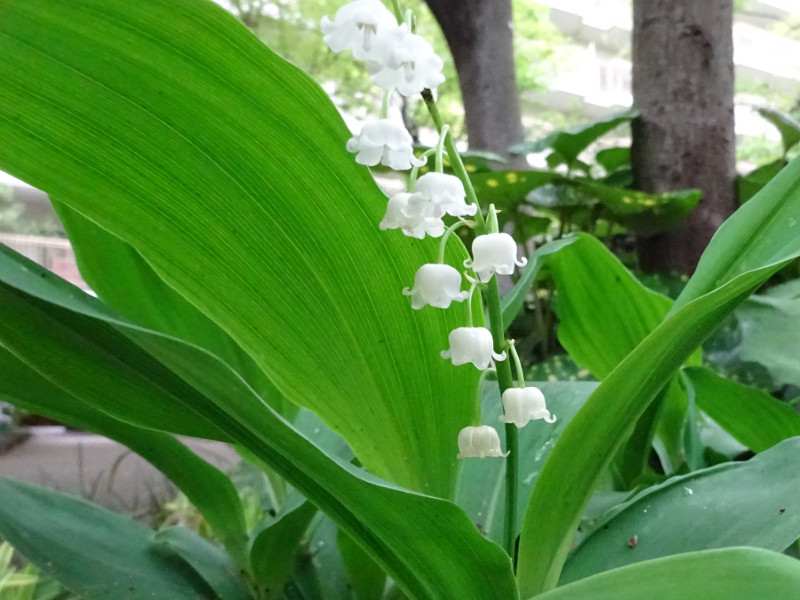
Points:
(596, 77)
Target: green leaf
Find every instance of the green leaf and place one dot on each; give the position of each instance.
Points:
(730, 574)
(211, 563)
(366, 579)
(274, 545)
(169, 125)
(572, 142)
(770, 330)
(754, 503)
(786, 125)
(507, 189)
(604, 313)
(754, 243)
(749, 414)
(481, 487)
(416, 539)
(64, 535)
(749, 185)
(613, 159)
(513, 302)
(125, 282)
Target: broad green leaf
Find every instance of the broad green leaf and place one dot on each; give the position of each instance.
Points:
(749, 185)
(754, 243)
(513, 302)
(572, 142)
(788, 127)
(366, 579)
(507, 189)
(63, 535)
(207, 487)
(418, 540)
(749, 414)
(213, 564)
(754, 503)
(730, 574)
(274, 544)
(125, 282)
(171, 126)
(604, 313)
(481, 486)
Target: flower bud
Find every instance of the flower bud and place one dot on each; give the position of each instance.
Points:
(436, 285)
(479, 442)
(386, 142)
(494, 253)
(472, 344)
(524, 404)
(415, 227)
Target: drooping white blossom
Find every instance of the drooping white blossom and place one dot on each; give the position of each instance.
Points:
(439, 194)
(366, 27)
(472, 345)
(494, 253)
(410, 66)
(521, 405)
(416, 227)
(436, 285)
(479, 442)
(384, 141)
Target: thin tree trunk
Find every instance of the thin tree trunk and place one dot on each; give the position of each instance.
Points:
(684, 138)
(480, 36)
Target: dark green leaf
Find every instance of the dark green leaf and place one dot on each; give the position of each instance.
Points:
(754, 503)
(214, 565)
(749, 185)
(63, 536)
(572, 142)
(612, 159)
(730, 574)
(367, 580)
(749, 414)
(507, 189)
(786, 125)
(274, 545)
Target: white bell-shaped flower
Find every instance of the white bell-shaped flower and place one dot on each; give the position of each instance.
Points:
(494, 253)
(439, 194)
(410, 66)
(479, 442)
(416, 227)
(436, 285)
(521, 405)
(366, 27)
(386, 142)
(472, 344)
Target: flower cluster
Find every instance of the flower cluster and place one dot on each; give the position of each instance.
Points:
(399, 60)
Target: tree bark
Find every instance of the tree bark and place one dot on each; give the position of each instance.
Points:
(684, 137)
(480, 36)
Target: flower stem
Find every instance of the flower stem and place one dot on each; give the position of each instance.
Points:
(455, 158)
(505, 381)
(385, 106)
(398, 12)
(512, 348)
(412, 177)
(448, 232)
(440, 148)
(496, 326)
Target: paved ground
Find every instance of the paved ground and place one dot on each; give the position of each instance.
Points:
(99, 469)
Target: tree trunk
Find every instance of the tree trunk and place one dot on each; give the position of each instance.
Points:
(684, 138)
(480, 36)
